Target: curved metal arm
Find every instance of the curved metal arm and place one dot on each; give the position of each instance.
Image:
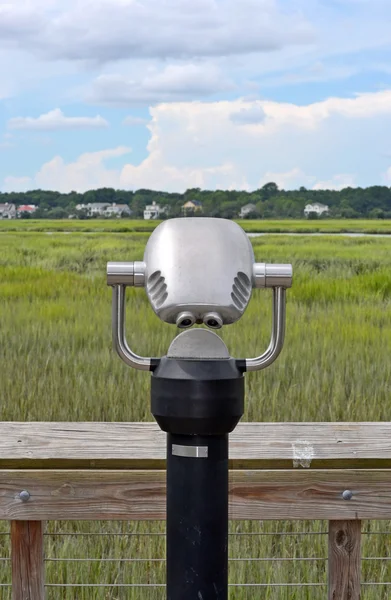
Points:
(278, 333)
(119, 340)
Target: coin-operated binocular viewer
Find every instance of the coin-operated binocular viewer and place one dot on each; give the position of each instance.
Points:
(198, 271)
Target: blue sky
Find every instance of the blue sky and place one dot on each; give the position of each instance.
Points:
(173, 94)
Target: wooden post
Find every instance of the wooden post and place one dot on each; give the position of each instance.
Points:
(344, 560)
(27, 560)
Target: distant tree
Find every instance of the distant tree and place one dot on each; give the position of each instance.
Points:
(82, 213)
(269, 190)
(376, 213)
(105, 195)
(270, 201)
(57, 213)
(40, 213)
(349, 213)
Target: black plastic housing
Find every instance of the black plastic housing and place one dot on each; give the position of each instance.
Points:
(203, 397)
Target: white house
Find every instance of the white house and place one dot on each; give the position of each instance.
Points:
(153, 211)
(117, 210)
(93, 208)
(317, 208)
(7, 211)
(246, 210)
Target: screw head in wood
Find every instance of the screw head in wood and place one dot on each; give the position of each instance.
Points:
(347, 495)
(24, 496)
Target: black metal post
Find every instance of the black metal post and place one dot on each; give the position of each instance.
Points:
(197, 403)
(197, 518)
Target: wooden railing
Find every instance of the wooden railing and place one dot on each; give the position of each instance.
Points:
(340, 472)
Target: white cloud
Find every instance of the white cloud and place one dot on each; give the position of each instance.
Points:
(249, 115)
(289, 180)
(173, 83)
(106, 30)
(56, 120)
(335, 143)
(338, 182)
(132, 121)
(161, 176)
(54, 47)
(296, 178)
(88, 171)
(17, 184)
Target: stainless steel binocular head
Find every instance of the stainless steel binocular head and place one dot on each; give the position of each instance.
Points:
(199, 271)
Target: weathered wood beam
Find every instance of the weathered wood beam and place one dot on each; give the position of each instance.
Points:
(293, 494)
(142, 445)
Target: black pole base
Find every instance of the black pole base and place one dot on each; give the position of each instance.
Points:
(197, 517)
(198, 403)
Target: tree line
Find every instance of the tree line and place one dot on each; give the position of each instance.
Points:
(269, 201)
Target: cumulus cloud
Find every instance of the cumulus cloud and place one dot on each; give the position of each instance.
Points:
(334, 144)
(249, 115)
(290, 180)
(295, 178)
(162, 176)
(88, 171)
(173, 83)
(338, 182)
(107, 30)
(56, 120)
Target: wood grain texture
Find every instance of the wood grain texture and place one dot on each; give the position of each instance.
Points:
(27, 560)
(140, 495)
(344, 560)
(142, 445)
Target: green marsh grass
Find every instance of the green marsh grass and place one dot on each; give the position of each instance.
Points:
(58, 364)
(252, 226)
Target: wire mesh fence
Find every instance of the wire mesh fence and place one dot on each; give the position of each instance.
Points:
(272, 560)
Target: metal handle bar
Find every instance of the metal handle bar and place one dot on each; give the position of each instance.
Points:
(119, 339)
(278, 333)
(120, 275)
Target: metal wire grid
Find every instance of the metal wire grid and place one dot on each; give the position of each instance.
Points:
(376, 573)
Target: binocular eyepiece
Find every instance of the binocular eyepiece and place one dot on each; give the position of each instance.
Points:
(211, 319)
(199, 271)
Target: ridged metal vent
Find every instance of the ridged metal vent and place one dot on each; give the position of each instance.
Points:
(157, 289)
(241, 290)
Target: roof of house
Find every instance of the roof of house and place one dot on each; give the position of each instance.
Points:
(194, 202)
(249, 206)
(98, 204)
(318, 204)
(27, 208)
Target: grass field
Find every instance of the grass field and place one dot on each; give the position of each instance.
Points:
(256, 226)
(58, 364)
